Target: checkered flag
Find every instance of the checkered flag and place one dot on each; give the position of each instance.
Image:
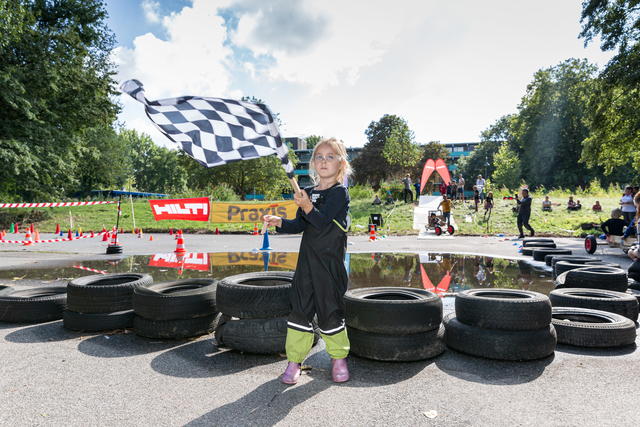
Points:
(215, 131)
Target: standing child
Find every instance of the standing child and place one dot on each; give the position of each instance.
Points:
(476, 196)
(321, 279)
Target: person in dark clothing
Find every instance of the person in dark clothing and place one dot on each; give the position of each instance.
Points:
(321, 279)
(614, 226)
(524, 212)
(407, 188)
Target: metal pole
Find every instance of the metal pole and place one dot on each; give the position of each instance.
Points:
(118, 219)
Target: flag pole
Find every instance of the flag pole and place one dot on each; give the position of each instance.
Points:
(294, 184)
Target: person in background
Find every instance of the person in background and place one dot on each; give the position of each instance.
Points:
(389, 198)
(578, 205)
(571, 204)
(626, 204)
(376, 201)
(614, 225)
(417, 187)
(460, 187)
(524, 212)
(476, 196)
(443, 188)
(488, 202)
(546, 204)
(480, 183)
(454, 190)
(449, 191)
(407, 188)
(446, 208)
(597, 207)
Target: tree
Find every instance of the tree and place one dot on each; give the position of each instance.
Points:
(56, 82)
(507, 164)
(400, 148)
(614, 109)
(312, 141)
(370, 166)
(550, 127)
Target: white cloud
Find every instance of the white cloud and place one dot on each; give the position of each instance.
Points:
(151, 10)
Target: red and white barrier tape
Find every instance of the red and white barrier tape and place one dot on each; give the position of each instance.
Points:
(91, 269)
(50, 205)
(52, 240)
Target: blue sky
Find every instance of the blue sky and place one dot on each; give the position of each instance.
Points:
(450, 68)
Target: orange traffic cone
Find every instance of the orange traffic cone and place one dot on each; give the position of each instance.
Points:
(37, 235)
(114, 247)
(180, 246)
(15, 230)
(151, 238)
(171, 232)
(4, 234)
(105, 237)
(104, 229)
(372, 235)
(114, 240)
(58, 228)
(255, 230)
(121, 230)
(140, 233)
(32, 229)
(217, 231)
(69, 235)
(28, 238)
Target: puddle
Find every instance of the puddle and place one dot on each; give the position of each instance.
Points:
(442, 273)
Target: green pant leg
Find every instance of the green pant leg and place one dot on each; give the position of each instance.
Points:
(298, 345)
(337, 345)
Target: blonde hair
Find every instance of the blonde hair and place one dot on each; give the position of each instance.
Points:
(338, 147)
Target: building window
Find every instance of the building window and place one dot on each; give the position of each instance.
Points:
(458, 148)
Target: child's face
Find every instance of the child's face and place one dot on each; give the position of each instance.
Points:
(325, 169)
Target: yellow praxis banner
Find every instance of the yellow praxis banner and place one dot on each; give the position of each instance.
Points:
(287, 260)
(231, 212)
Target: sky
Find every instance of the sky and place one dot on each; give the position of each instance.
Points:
(331, 67)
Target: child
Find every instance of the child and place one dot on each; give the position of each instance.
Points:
(614, 225)
(597, 207)
(546, 204)
(321, 279)
(476, 196)
(376, 201)
(488, 202)
(446, 209)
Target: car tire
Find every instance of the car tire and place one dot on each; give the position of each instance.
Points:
(97, 322)
(37, 305)
(539, 254)
(102, 293)
(397, 347)
(497, 344)
(596, 299)
(393, 310)
(552, 259)
(504, 309)
(175, 329)
(592, 328)
(255, 295)
(177, 299)
(595, 277)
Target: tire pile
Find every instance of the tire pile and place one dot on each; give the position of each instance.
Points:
(394, 324)
(32, 305)
(254, 309)
(175, 309)
(593, 307)
(503, 324)
(540, 248)
(102, 302)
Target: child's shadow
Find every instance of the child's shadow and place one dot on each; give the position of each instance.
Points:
(271, 402)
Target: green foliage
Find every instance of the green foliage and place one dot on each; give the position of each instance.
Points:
(312, 141)
(363, 192)
(400, 149)
(507, 164)
(371, 166)
(55, 84)
(617, 22)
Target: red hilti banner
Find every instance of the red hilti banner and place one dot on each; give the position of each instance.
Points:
(188, 261)
(196, 209)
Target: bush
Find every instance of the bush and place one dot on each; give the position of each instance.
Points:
(363, 192)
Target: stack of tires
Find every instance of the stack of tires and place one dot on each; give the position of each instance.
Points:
(504, 324)
(102, 302)
(175, 309)
(592, 306)
(254, 309)
(528, 245)
(37, 305)
(394, 324)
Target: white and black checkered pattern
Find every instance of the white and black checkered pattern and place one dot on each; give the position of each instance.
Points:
(215, 131)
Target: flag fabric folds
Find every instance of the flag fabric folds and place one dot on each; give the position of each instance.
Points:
(215, 131)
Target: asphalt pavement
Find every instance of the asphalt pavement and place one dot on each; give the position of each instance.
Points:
(52, 377)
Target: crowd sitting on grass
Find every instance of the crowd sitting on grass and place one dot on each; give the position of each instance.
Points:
(572, 205)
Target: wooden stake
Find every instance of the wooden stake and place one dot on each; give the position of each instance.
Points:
(133, 215)
(294, 184)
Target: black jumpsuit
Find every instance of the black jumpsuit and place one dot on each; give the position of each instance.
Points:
(321, 278)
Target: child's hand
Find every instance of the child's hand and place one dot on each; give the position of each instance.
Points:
(303, 202)
(272, 221)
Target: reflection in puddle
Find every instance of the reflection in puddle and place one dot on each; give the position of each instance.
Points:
(442, 273)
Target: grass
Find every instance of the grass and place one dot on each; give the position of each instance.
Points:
(560, 222)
